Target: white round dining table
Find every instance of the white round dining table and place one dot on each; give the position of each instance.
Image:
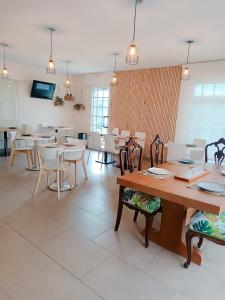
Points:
(36, 139)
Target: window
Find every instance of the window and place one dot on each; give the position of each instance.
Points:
(100, 109)
(201, 113)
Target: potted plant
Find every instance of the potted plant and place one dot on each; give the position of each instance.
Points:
(79, 106)
(58, 101)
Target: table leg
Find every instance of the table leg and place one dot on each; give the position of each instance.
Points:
(105, 161)
(172, 231)
(5, 143)
(63, 186)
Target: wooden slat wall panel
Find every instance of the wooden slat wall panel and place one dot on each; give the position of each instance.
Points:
(147, 100)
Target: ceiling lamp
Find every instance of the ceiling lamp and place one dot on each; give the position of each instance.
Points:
(186, 70)
(67, 82)
(132, 57)
(51, 64)
(114, 78)
(4, 73)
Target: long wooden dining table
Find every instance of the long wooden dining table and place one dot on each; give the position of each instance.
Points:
(179, 203)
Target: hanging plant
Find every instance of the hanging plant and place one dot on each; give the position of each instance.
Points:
(79, 106)
(58, 101)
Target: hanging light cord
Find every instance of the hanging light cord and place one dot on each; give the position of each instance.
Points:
(135, 15)
(189, 45)
(67, 70)
(4, 55)
(115, 64)
(51, 42)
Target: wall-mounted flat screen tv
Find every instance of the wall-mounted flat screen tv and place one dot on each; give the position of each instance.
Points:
(44, 90)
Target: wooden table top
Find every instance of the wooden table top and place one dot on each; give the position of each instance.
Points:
(176, 190)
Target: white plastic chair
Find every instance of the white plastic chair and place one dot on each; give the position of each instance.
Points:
(75, 156)
(125, 133)
(175, 151)
(200, 143)
(50, 161)
(15, 150)
(77, 142)
(94, 142)
(110, 144)
(197, 154)
(140, 138)
(115, 131)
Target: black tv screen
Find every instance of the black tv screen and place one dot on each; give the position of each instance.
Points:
(44, 90)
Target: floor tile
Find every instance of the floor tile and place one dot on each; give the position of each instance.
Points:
(52, 283)
(128, 246)
(214, 258)
(196, 282)
(35, 226)
(4, 295)
(117, 280)
(85, 223)
(76, 254)
(18, 258)
(179, 296)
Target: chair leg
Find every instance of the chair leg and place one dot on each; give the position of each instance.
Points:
(188, 238)
(135, 215)
(75, 172)
(11, 159)
(29, 159)
(119, 214)
(88, 156)
(69, 179)
(84, 168)
(58, 183)
(37, 182)
(200, 242)
(48, 183)
(148, 227)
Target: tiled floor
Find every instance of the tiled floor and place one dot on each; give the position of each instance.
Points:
(67, 249)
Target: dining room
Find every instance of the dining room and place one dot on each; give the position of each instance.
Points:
(112, 150)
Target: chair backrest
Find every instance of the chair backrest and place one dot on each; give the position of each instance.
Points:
(140, 134)
(115, 131)
(109, 143)
(197, 154)
(77, 142)
(156, 151)
(48, 154)
(219, 154)
(125, 133)
(94, 140)
(130, 157)
(175, 151)
(200, 143)
(75, 153)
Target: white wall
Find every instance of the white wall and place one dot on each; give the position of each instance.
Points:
(189, 126)
(33, 111)
(84, 84)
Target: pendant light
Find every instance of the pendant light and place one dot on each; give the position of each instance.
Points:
(186, 70)
(4, 73)
(51, 64)
(132, 57)
(114, 78)
(67, 82)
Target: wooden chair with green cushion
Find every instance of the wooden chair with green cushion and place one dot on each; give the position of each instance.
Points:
(149, 206)
(204, 224)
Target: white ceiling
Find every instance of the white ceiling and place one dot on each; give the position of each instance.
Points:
(88, 32)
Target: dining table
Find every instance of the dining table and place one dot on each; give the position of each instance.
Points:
(63, 185)
(37, 138)
(179, 202)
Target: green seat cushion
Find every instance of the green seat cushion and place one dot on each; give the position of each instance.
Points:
(141, 200)
(209, 224)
